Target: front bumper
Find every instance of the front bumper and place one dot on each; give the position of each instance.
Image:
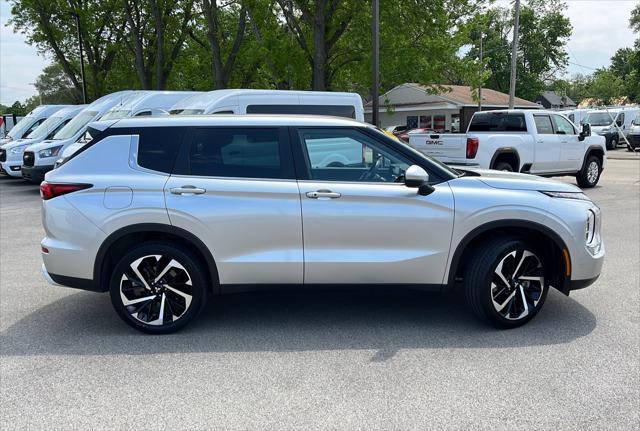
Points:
(35, 174)
(13, 169)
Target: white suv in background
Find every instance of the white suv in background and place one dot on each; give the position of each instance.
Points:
(166, 212)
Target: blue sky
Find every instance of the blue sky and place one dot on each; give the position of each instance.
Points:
(600, 27)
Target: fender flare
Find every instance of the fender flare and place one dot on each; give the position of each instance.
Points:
(590, 150)
(153, 228)
(506, 150)
(473, 234)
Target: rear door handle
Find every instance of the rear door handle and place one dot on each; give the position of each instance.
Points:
(323, 194)
(187, 190)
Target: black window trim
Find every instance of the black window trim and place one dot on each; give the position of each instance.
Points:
(181, 166)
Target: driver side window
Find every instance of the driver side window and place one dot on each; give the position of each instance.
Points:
(349, 155)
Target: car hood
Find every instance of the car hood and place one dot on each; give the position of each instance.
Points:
(49, 143)
(18, 143)
(516, 181)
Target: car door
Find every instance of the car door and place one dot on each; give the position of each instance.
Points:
(361, 224)
(547, 145)
(571, 148)
(235, 189)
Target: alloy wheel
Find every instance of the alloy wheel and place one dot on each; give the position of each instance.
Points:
(156, 289)
(517, 285)
(592, 172)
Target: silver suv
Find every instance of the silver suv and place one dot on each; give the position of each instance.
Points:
(164, 213)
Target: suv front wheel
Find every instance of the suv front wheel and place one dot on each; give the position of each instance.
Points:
(504, 283)
(158, 288)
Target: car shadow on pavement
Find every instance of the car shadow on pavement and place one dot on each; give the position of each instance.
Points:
(386, 321)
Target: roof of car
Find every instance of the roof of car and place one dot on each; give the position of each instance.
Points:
(238, 120)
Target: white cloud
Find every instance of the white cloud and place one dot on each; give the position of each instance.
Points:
(600, 28)
(20, 63)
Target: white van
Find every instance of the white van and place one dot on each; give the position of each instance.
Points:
(11, 153)
(612, 123)
(29, 123)
(38, 159)
(148, 103)
(576, 116)
(246, 101)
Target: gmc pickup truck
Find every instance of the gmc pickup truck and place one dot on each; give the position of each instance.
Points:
(538, 142)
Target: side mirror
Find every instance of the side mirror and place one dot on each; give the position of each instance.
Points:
(416, 177)
(586, 131)
(619, 123)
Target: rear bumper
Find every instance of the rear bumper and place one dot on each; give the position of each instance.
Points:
(73, 282)
(581, 284)
(35, 174)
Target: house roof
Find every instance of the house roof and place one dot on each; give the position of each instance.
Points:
(555, 99)
(457, 95)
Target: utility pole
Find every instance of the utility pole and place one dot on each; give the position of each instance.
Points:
(84, 83)
(375, 35)
(514, 55)
(481, 65)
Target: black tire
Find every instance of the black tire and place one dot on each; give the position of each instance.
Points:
(630, 148)
(483, 287)
(612, 143)
(586, 178)
(181, 293)
(503, 166)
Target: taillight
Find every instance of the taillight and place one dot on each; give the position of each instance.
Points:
(52, 190)
(472, 147)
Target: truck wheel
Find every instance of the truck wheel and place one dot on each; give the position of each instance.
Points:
(612, 143)
(590, 174)
(504, 283)
(503, 166)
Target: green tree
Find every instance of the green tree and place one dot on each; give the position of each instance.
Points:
(55, 87)
(544, 31)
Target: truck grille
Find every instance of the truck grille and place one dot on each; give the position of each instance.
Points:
(3, 155)
(28, 158)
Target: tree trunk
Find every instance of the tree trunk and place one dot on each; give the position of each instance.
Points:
(318, 78)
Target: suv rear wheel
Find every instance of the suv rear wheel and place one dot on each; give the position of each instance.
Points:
(158, 288)
(504, 284)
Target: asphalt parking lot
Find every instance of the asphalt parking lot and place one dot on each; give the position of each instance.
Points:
(332, 360)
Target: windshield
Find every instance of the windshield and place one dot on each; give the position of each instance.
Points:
(75, 125)
(600, 118)
(636, 121)
(45, 128)
(116, 115)
(187, 111)
(22, 125)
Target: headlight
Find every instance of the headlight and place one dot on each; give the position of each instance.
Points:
(18, 150)
(568, 195)
(49, 152)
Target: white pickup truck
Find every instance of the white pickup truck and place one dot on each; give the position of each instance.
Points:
(531, 141)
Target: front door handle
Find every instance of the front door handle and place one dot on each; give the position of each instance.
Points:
(323, 194)
(187, 190)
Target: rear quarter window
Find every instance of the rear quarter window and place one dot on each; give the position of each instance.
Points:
(158, 147)
(498, 122)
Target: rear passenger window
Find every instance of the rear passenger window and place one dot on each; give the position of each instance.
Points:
(239, 153)
(543, 124)
(158, 147)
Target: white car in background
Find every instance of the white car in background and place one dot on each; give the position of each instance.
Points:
(247, 101)
(38, 159)
(30, 122)
(613, 124)
(11, 153)
(144, 104)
